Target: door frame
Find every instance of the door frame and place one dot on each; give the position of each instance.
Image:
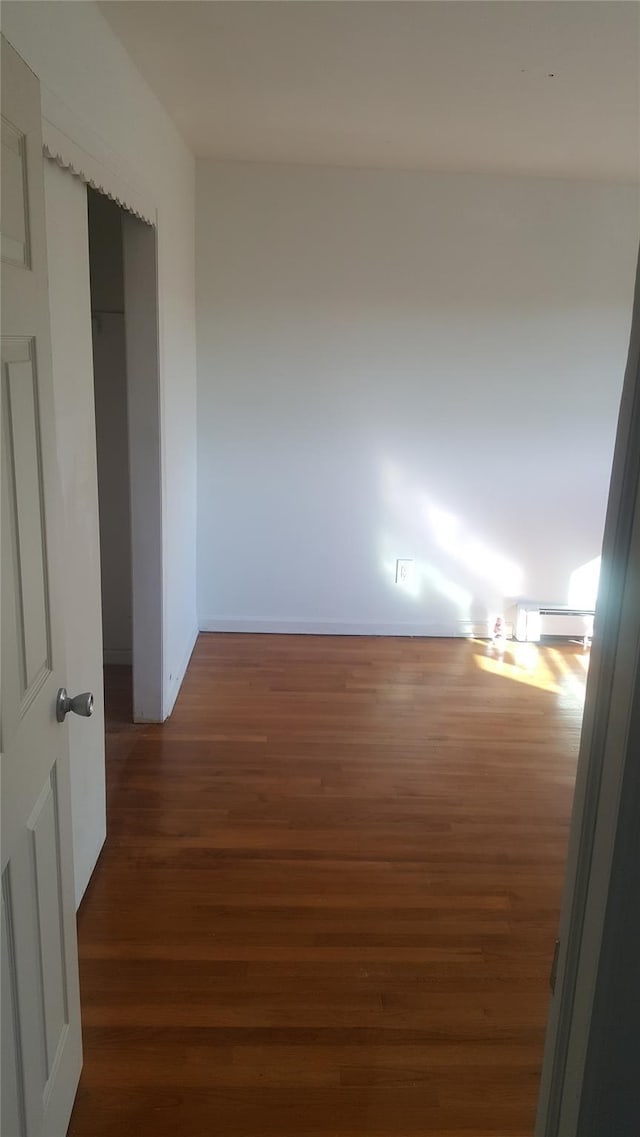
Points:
(606, 763)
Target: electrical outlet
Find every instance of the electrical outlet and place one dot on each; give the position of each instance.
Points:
(404, 572)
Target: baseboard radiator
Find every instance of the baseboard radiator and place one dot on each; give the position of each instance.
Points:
(531, 622)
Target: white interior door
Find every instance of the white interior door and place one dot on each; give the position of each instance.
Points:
(41, 1043)
(72, 356)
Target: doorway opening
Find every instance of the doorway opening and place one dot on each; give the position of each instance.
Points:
(123, 283)
(106, 265)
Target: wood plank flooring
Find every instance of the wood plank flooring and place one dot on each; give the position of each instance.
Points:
(330, 891)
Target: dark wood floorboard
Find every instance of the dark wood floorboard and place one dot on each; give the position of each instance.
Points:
(330, 890)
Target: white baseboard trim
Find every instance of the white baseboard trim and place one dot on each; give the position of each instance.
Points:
(122, 657)
(454, 628)
(175, 681)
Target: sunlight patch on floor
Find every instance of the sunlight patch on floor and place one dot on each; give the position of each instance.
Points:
(539, 678)
(546, 668)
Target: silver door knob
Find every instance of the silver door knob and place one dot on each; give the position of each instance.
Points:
(79, 704)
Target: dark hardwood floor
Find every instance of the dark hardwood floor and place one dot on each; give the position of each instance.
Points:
(328, 899)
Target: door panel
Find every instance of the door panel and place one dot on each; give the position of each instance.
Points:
(41, 1045)
(45, 833)
(13, 1120)
(15, 233)
(26, 497)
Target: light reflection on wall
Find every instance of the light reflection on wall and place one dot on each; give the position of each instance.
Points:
(452, 536)
(583, 585)
(450, 558)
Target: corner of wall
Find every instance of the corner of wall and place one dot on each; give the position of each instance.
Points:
(173, 682)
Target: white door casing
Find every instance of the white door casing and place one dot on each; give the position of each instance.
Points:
(41, 1040)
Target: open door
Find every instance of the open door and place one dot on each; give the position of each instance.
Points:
(41, 1042)
(590, 1078)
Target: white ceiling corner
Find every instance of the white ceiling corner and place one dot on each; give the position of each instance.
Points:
(527, 87)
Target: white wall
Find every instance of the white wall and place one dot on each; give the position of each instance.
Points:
(67, 250)
(76, 56)
(112, 434)
(402, 365)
